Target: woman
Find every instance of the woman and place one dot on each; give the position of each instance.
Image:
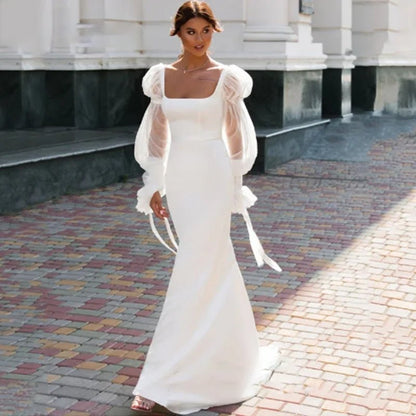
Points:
(195, 142)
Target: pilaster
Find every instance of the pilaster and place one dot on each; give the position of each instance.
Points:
(383, 31)
(25, 33)
(384, 79)
(65, 20)
(280, 39)
(332, 26)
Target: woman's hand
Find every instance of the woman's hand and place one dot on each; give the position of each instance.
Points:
(157, 206)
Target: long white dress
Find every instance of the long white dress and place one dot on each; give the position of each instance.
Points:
(205, 350)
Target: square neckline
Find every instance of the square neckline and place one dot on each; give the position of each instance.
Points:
(184, 98)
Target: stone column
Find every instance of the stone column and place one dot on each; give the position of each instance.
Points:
(91, 27)
(122, 27)
(384, 79)
(332, 26)
(5, 45)
(65, 20)
(156, 43)
(25, 31)
(300, 20)
(277, 33)
(286, 66)
(25, 37)
(267, 27)
(375, 26)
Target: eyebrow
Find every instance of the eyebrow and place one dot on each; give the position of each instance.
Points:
(191, 28)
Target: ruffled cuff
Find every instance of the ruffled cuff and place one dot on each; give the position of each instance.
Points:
(243, 197)
(152, 183)
(144, 195)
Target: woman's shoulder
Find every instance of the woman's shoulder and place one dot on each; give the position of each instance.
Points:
(237, 72)
(238, 80)
(151, 82)
(154, 70)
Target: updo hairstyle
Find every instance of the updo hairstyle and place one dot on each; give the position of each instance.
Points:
(191, 9)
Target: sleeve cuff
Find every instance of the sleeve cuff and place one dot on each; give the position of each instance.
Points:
(144, 195)
(153, 181)
(243, 199)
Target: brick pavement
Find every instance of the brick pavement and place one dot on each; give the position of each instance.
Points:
(83, 279)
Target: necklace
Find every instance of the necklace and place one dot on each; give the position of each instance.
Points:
(186, 71)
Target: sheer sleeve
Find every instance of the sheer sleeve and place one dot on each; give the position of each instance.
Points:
(241, 142)
(239, 132)
(152, 141)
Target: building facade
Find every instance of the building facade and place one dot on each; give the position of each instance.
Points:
(79, 62)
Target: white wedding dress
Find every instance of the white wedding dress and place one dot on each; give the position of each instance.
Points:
(205, 350)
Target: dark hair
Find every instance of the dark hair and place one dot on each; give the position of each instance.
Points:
(191, 9)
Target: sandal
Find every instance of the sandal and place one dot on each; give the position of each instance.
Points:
(142, 404)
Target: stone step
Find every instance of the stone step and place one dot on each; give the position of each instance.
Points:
(280, 145)
(38, 165)
(18, 147)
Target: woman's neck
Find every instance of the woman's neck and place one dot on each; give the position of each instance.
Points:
(189, 62)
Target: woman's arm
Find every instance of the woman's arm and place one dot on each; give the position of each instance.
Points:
(152, 145)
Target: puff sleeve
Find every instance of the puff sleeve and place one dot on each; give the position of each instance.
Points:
(152, 141)
(240, 139)
(239, 132)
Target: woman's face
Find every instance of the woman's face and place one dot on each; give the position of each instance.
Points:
(196, 36)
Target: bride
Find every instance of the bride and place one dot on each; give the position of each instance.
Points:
(195, 142)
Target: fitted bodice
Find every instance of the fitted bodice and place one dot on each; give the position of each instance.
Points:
(195, 119)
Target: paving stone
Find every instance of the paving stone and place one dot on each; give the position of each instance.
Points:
(75, 392)
(105, 376)
(120, 389)
(88, 348)
(19, 377)
(102, 385)
(38, 410)
(342, 311)
(84, 374)
(63, 403)
(46, 388)
(106, 397)
(131, 363)
(77, 382)
(45, 399)
(118, 410)
(63, 370)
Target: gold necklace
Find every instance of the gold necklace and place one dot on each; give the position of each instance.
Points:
(186, 71)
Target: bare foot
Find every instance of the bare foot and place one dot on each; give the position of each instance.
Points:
(140, 403)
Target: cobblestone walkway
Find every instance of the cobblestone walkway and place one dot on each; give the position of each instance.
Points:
(83, 279)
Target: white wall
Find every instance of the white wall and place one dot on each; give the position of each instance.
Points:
(384, 32)
(258, 34)
(407, 19)
(122, 28)
(26, 26)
